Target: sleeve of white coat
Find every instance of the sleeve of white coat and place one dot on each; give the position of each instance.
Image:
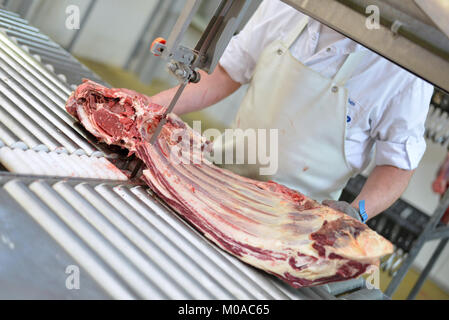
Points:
(399, 133)
(241, 56)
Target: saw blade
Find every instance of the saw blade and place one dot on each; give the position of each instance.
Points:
(169, 110)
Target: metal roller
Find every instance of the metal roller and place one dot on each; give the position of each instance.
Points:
(41, 127)
(26, 120)
(21, 132)
(136, 247)
(68, 240)
(22, 28)
(190, 240)
(184, 270)
(46, 51)
(9, 138)
(10, 15)
(30, 74)
(266, 283)
(15, 33)
(156, 275)
(57, 120)
(105, 249)
(16, 19)
(339, 288)
(175, 245)
(57, 52)
(33, 66)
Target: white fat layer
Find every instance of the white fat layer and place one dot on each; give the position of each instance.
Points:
(84, 118)
(274, 237)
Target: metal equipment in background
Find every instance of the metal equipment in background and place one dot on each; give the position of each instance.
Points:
(437, 122)
(161, 23)
(406, 34)
(42, 48)
(408, 229)
(123, 240)
(414, 35)
(184, 62)
(37, 79)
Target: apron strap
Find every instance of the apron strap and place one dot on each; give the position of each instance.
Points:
(348, 68)
(296, 32)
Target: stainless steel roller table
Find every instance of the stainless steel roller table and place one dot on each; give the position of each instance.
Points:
(119, 238)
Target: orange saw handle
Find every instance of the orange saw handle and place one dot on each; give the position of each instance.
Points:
(158, 46)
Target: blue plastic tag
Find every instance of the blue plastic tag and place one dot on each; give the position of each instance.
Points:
(362, 211)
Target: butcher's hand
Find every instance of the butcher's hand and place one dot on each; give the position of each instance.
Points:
(344, 207)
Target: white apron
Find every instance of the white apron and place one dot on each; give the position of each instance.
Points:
(310, 113)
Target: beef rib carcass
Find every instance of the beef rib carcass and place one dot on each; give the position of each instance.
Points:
(265, 224)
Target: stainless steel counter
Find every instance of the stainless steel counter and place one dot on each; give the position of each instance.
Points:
(125, 242)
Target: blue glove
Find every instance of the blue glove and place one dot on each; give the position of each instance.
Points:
(345, 207)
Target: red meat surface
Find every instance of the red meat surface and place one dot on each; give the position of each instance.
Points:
(264, 224)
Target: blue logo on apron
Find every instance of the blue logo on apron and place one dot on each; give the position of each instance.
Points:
(352, 103)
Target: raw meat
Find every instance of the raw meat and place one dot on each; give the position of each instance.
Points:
(264, 224)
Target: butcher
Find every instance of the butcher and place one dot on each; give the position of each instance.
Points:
(337, 105)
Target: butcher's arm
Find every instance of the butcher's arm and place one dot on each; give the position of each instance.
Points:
(196, 96)
(384, 186)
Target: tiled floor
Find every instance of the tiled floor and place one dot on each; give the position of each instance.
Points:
(123, 79)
